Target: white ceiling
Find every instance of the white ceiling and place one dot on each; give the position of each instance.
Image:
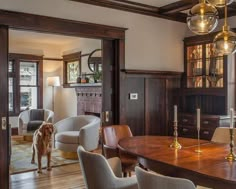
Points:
(43, 38)
(156, 3)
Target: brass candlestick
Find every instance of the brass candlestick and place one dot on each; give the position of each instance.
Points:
(175, 144)
(231, 156)
(198, 150)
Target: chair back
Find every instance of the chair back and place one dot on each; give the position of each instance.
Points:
(149, 180)
(96, 170)
(36, 114)
(112, 134)
(221, 135)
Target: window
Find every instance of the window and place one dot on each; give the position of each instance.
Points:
(25, 82)
(72, 67)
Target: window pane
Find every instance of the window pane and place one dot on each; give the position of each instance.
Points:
(10, 66)
(11, 104)
(28, 97)
(72, 71)
(28, 73)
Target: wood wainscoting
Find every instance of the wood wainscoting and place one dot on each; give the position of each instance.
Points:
(157, 92)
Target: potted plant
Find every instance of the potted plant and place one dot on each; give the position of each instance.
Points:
(97, 76)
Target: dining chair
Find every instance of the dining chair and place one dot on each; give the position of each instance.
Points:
(221, 135)
(150, 180)
(110, 138)
(98, 174)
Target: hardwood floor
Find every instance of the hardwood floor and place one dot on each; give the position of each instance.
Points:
(63, 177)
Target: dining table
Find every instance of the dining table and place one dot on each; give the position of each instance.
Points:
(208, 168)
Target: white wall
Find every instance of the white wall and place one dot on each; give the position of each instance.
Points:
(151, 43)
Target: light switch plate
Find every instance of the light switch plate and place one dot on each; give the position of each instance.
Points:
(133, 96)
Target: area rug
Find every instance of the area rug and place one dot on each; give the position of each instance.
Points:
(21, 154)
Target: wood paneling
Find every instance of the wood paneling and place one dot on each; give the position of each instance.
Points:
(135, 109)
(155, 107)
(150, 113)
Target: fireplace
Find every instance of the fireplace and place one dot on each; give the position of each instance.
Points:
(89, 100)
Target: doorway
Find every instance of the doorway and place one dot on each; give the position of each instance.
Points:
(113, 57)
(30, 52)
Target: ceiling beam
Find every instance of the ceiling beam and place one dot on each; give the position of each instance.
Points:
(135, 7)
(177, 6)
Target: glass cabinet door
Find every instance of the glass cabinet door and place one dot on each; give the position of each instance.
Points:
(194, 66)
(214, 68)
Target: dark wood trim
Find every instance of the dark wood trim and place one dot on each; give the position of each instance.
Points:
(4, 134)
(82, 55)
(17, 58)
(52, 59)
(154, 74)
(70, 58)
(170, 11)
(25, 21)
(134, 7)
(26, 57)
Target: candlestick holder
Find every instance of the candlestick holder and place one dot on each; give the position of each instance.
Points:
(198, 150)
(231, 156)
(175, 144)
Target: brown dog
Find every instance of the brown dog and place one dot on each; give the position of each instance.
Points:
(42, 144)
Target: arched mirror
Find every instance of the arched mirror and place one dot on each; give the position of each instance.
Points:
(95, 61)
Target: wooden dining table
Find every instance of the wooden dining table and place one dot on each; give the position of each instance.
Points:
(208, 168)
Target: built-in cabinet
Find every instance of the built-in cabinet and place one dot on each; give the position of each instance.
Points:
(208, 83)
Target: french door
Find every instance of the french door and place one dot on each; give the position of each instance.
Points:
(4, 129)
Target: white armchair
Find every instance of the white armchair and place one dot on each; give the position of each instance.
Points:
(74, 131)
(30, 120)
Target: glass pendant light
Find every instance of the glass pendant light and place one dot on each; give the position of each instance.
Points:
(220, 3)
(202, 18)
(225, 41)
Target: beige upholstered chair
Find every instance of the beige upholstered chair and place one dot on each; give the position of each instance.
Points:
(99, 175)
(150, 180)
(30, 120)
(221, 135)
(74, 131)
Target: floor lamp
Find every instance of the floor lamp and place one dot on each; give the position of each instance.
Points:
(53, 82)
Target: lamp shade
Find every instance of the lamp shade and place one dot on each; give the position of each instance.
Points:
(225, 42)
(53, 81)
(202, 18)
(220, 3)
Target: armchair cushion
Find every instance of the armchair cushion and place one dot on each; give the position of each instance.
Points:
(69, 137)
(33, 125)
(36, 114)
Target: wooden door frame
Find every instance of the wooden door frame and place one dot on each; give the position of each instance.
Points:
(45, 24)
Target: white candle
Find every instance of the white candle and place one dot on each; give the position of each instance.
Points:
(198, 119)
(231, 118)
(175, 113)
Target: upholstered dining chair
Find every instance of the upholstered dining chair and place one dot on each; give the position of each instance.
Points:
(110, 138)
(98, 174)
(150, 180)
(221, 135)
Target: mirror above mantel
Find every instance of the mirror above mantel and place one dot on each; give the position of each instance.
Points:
(83, 69)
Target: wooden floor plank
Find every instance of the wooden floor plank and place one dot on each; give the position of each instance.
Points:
(63, 177)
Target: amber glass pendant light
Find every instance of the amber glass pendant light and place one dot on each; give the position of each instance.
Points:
(220, 3)
(202, 18)
(225, 41)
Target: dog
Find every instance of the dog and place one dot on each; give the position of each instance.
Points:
(42, 144)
